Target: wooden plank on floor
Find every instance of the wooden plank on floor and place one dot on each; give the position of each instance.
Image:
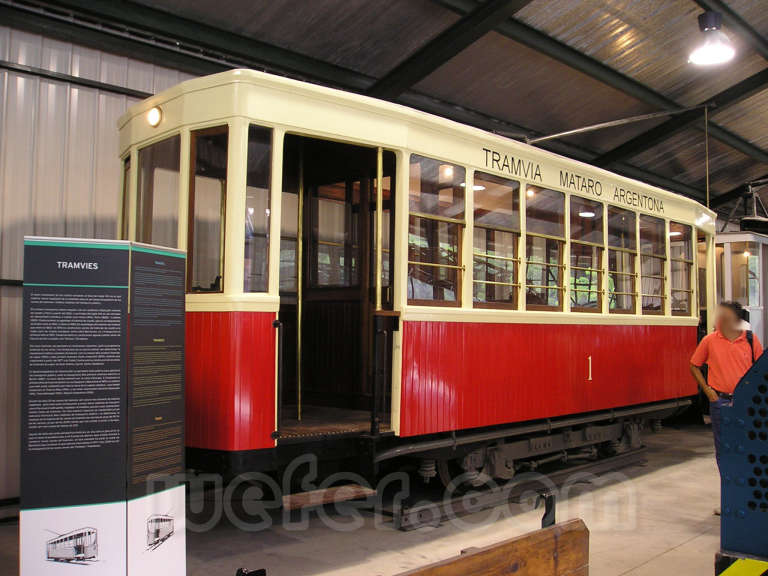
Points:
(326, 496)
(560, 550)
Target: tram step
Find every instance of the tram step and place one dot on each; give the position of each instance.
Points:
(326, 496)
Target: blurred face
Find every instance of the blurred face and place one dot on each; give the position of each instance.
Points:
(727, 319)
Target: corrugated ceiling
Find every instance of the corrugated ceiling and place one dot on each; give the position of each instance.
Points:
(368, 37)
(645, 40)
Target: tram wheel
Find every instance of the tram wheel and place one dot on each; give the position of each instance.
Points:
(451, 474)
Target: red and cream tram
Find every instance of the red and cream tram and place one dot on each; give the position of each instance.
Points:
(376, 280)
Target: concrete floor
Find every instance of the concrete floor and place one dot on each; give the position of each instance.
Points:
(644, 520)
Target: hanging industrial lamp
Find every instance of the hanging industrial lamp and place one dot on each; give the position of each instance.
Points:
(717, 47)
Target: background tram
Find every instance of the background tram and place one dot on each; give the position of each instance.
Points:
(159, 529)
(366, 281)
(74, 546)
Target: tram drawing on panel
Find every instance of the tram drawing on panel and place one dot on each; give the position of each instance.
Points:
(159, 529)
(76, 546)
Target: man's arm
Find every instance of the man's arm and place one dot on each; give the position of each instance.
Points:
(709, 392)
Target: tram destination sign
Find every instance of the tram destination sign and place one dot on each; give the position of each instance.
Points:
(573, 181)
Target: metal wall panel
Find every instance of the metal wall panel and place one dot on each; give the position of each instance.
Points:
(59, 176)
(10, 401)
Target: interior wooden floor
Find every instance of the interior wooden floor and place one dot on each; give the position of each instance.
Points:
(327, 421)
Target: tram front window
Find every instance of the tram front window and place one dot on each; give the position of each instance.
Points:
(496, 235)
(586, 255)
(157, 207)
(207, 202)
(545, 239)
(622, 251)
(257, 209)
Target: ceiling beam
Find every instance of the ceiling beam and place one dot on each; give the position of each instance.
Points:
(544, 44)
(734, 194)
(131, 38)
(472, 26)
(650, 138)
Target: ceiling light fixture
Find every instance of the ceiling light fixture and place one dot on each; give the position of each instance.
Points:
(675, 233)
(529, 192)
(475, 187)
(587, 214)
(717, 47)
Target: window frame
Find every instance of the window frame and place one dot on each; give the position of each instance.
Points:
(436, 219)
(601, 265)
(135, 215)
(194, 134)
(517, 237)
(125, 199)
(634, 252)
(268, 238)
(690, 267)
(656, 256)
(560, 265)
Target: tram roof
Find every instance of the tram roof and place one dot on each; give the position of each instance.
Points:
(402, 114)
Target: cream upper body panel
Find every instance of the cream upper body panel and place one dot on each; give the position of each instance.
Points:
(324, 112)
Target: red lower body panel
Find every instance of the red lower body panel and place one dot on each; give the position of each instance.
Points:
(458, 375)
(230, 380)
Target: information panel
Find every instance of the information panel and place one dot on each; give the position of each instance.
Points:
(102, 408)
(156, 524)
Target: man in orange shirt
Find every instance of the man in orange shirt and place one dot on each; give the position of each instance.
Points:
(728, 353)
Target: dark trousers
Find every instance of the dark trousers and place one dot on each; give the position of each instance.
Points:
(715, 417)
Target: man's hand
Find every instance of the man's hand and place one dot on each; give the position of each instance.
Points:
(709, 392)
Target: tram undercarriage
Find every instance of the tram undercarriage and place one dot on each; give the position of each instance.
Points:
(497, 453)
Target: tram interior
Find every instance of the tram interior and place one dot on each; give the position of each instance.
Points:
(328, 286)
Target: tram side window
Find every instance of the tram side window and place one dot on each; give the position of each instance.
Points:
(207, 204)
(587, 245)
(496, 236)
(653, 255)
(622, 251)
(681, 263)
(544, 245)
(257, 209)
(157, 207)
(435, 226)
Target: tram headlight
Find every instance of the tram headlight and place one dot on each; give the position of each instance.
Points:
(154, 116)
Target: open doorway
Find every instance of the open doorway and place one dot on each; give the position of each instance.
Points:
(328, 285)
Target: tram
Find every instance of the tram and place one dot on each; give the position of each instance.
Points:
(366, 281)
(159, 529)
(76, 546)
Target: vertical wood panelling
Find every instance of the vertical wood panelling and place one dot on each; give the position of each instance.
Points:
(59, 175)
(230, 380)
(458, 375)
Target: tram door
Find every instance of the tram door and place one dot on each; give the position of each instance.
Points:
(327, 281)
